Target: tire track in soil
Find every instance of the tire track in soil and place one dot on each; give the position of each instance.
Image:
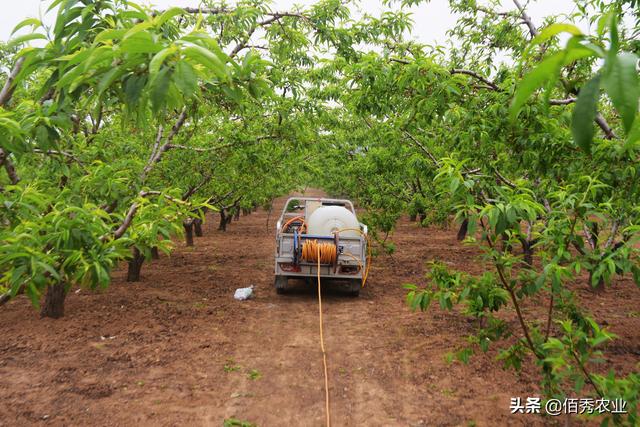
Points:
(154, 353)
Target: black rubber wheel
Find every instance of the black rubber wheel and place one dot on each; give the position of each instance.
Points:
(281, 284)
(354, 287)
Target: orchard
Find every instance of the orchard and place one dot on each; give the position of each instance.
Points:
(142, 145)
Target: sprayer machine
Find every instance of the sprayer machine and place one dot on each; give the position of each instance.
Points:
(324, 234)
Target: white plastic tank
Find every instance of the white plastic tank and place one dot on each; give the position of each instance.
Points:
(326, 220)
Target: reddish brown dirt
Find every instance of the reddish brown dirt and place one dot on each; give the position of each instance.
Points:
(177, 349)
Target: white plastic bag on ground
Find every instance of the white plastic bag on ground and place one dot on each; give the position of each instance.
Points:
(243, 293)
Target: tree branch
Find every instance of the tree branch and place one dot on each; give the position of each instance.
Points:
(600, 120)
(503, 179)
(157, 154)
(156, 144)
(198, 149)
(207, 10)
(58, 153)
(133, 209)
(512, 295)
(549, 317)
(194, 189)
(422, 147)
(9, 167)
(477, 76)
(492, 12)
(566, 101)
(5, 96)
(586, 374)
(243, 43)
(589, 236)
(612, 234)
(9, 86)
(608, 132)
(127, 221)
(527, 19)
(399, 61)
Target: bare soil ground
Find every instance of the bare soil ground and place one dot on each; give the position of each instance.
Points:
(176, 349)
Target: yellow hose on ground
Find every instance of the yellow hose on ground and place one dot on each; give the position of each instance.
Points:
(324, 354)
(326, 253)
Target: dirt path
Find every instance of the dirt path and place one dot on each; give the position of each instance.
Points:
(177, 349)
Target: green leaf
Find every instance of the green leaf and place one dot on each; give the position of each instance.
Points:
(99, 56)
(206, 58)
(634, 134)
(33, 294)
(185, 78)
(54, 4)
(65, 17)
(584, 114)
(27, 22)
(159, 89)
(548, 69)
(533, 81)
(76, 57)
(25, 38)
(621, 83)
(615, 39)
(167, 15)
(158, 59)
(233, 93)
(111, 34)
(553, 30)
(137, 29)
(141, 42)
(133, 89)
(108, 78)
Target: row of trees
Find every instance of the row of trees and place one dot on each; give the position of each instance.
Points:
(528, 135)
(128, 124)
(121, 126)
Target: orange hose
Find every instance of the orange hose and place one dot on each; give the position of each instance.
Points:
(313, 251)
(286, 224)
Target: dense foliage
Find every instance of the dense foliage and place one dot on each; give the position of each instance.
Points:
(528, 136)
(122, 125)
(127, 124)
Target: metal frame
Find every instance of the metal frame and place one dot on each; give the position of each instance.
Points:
(310, 269)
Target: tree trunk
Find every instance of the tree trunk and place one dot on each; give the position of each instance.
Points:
(188, 231)
(421, 217)
(223, 221)
(269, 214)
(53, 305)
(527, 252)
(464, 227)
(413, 217)
(237, 214)
(154, 253)
(197, 227)
(135, 265)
